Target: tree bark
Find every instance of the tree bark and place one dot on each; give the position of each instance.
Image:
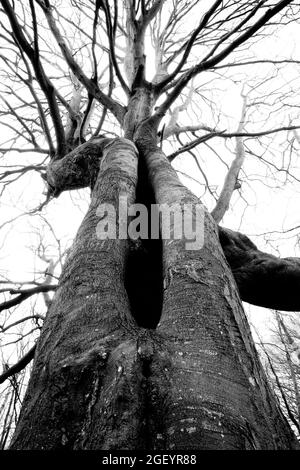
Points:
(207, 381)
(101, 380)
(85, 391)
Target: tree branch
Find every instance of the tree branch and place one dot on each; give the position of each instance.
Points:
(25, 294)
(22, 320)
(93, 89)
(213, 61)
(262, 279)
(189, 46)
(280, 388)
(231, 178)
(44, 82)
(20, 365)
(206, 64)
(225, 135)
(148, 15)
(78, 168)
(111, 39)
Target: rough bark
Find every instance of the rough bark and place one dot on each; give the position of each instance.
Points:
(86, 387)
(101, 380)
(206, 381)
(78, 169)
(262, 279)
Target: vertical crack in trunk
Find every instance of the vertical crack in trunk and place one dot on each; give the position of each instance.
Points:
(144, 271)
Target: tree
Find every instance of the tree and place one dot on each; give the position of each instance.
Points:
(145, 344)
(282, 356)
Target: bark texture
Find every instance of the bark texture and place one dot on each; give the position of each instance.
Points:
(100, 379)
(207, 380)
(85, 389)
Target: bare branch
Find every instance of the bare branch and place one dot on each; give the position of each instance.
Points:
(111, 38)
(22, 320)
(25, 294)
(227, 135)
(189, 46)
(92, 87)
(43, 80)
(212, 62)
(20, 365)
(280, 388)
(232, 176)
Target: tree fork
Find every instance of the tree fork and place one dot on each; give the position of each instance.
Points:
(103, 382)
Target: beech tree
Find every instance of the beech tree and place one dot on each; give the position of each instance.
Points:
(145, 344)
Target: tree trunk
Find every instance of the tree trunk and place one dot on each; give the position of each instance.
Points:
(106, 375)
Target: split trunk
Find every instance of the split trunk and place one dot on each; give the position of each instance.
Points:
(146, 344)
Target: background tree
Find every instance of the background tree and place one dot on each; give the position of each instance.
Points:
(146, 344)
(282, 354)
